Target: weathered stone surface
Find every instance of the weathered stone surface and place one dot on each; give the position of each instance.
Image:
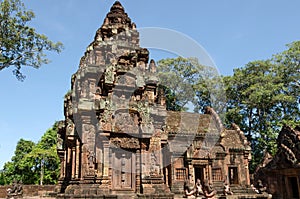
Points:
(280, 174)
(36, 191)
(118, 137)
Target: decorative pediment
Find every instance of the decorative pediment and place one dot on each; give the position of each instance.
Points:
(125, 143)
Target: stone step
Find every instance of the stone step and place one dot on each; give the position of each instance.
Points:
(234, 196)
(126, 194)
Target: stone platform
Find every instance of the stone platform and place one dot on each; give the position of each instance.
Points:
(178, 196)
(234, 196)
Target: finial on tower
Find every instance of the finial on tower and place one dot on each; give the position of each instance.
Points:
(117, 15)
(117, 6)
(115, 22)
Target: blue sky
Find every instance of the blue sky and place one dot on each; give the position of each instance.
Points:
(233, 32)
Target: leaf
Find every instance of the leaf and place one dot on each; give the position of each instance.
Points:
(20, 44)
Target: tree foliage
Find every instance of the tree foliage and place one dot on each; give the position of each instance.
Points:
(20, 44)
(264, 95)
(188, 83)
(34, 163)
(15, 169)
(2, 178)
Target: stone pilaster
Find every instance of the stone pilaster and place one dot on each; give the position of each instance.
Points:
(138, 171)
(77, 162)
(106, 157)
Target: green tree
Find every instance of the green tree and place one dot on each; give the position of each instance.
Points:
(262, 96)
(2, 178)
(186, 82)
(288, 70)
(35, 163)
(20, 44)
(45, 156)
(15, 169)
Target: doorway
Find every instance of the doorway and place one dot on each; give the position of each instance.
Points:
(199, 173)
(233, 175)
(293, 188)
(123, 169)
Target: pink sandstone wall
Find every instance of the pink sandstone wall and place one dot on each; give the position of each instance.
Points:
(30, 190)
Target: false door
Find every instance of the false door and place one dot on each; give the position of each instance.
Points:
(123, 169)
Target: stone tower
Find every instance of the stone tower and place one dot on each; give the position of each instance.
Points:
(118, 138)
(114, 116)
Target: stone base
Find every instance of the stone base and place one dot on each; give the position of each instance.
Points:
(155, 189)
(85, 191)
(236, 196)
(14, 196)
(178, 188)
(70, 196)
(154, 185)
(245, 196)
(116, 196)
(156, 196)
(80, 191)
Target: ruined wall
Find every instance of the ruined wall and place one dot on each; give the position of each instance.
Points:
(280, 174)
(30, 190)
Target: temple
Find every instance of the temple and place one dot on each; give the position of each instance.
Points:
(118, 139)
(281, 172)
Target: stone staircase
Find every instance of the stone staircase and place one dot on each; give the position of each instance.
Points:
(238, 193)
(126, 194)
(234, 188)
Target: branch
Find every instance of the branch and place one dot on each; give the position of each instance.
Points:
(11, 62)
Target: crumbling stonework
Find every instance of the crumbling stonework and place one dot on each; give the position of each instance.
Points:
(280, 174)
(117, 137)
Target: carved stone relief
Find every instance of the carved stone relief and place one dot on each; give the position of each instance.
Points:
(126, 123)
(89, 135)
(70, 127)
(126, 143)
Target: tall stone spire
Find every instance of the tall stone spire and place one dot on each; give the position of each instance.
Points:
(115, 22)
(117, 15)
(117, 29)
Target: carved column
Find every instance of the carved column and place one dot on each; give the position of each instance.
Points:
(64, 164)
(99, 158)
(210, 170)
(161, 163)
(123, 170)
(173, 177)
(166, 163)
(138, 171)
(73, 162)
(191, 172)
(246, 164)
(77, 159)
(69, 163)
(84, 164)
(110, 165)
(62, 157)
(143, 156)
(105, 162)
